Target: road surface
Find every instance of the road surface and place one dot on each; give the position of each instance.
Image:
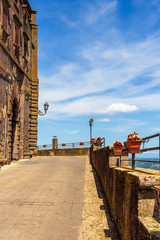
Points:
(42, 199)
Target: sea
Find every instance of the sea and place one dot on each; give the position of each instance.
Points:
(147, 164)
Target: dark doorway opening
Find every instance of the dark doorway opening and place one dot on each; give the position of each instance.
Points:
(14, 144)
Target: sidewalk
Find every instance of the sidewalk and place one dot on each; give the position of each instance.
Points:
(97, 222)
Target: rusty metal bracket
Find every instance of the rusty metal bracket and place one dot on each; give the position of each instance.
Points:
(157, 193)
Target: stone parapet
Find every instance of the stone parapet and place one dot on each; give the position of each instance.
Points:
(65, 152)
(130, 196)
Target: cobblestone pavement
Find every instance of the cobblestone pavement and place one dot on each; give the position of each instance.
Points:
(97, 221)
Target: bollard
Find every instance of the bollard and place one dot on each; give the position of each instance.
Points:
(55, 142)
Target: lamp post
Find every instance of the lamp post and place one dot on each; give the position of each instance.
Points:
(46, 106)
(90, 124)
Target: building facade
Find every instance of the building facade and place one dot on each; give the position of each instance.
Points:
(18, 80)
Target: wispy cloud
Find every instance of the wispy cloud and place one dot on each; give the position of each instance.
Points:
(108, 69)
(156, 129)
(104, 76)
(99, 9)
(69, 22)
(90, 105)
(73, 132)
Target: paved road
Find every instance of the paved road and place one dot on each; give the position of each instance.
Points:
(41, 199)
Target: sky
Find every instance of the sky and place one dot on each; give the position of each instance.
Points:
(98, 59)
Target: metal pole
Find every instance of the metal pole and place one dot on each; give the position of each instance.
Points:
(159, 151)
(90, 124)
(90, 131)
(133, 160)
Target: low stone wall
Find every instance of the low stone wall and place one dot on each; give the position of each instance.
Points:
(129, 194)
(65, 152)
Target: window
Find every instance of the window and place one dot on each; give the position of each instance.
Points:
(5, 18)
(17, 36)
(25, 19)
(25, 49)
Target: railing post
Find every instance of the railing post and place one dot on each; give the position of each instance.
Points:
(120, 160)
(73, 145)
(133, 160)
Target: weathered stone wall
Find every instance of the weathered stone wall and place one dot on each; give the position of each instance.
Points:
(65, 152)
(18, 81)
(130, 197)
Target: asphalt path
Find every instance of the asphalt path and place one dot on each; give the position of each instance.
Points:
(42, 199)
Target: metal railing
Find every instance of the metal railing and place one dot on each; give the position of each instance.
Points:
(103, 142)
(145, 140)
(74, 145)
(64, 145)
(44, 147)
(69, 145)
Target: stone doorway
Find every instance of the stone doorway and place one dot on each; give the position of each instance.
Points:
(15, 132)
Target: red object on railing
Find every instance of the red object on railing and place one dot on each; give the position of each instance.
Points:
(81, 143)
(92, 140)
(63, 144)
(117, 143)
(44, 145)
(117, 148)
(133, 146)
(98, 141)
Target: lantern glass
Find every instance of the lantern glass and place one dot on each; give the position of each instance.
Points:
(46, 106)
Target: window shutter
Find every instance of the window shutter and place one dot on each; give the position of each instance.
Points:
(17, 36)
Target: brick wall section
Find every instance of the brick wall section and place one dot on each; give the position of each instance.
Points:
(130, 197)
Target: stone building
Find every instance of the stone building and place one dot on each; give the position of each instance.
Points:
(18, 80)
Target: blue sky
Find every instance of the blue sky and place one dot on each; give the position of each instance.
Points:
(98, 59)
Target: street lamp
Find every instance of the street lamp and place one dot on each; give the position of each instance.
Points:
(46, 106)
(90, 124)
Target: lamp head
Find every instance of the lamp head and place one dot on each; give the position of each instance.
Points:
(46, 106)
(91, 121)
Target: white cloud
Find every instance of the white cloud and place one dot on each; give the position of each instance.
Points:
(103, 120)
(117, 108)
